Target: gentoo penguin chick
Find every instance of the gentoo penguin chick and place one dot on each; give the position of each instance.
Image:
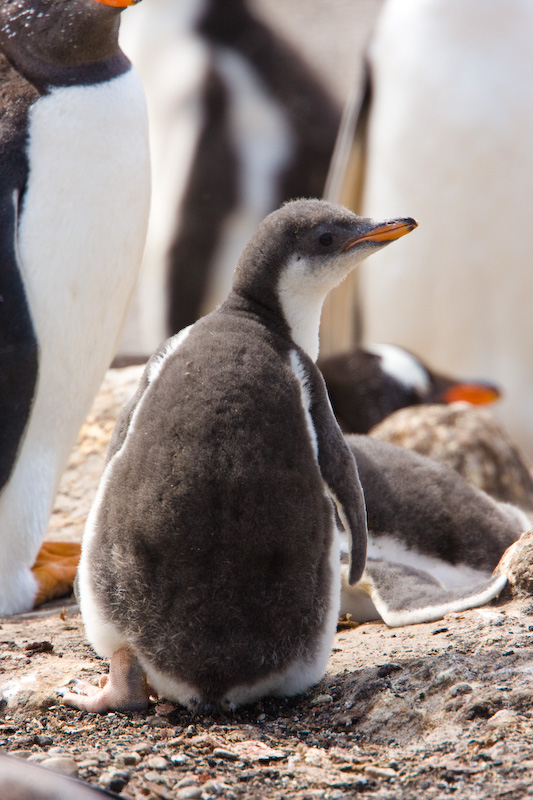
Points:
(433, 540)
(74, 204)
(210, 560)
(367, 384)
(470, 441)
(239, 123)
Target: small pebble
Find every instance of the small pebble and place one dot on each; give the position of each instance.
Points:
(379, 772)
(219, 752)
(460, 688)
(114, 781)
(179, 759)
(143, 748)
(156, 762)
(188, 781)
(157, 722)
(39, 647)
(153, 775)
(131, 759)
(43, 741)
(213, 787)
(321, 700)
(63, 764)
(384, 670)
(189, 793)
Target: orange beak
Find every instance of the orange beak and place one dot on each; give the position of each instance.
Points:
(118, 3)
(477, 394)
(386, 232)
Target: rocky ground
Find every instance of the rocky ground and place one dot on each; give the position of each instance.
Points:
(435, 710)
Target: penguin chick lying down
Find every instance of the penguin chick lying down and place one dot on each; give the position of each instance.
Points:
(210, 561)
(433, 540)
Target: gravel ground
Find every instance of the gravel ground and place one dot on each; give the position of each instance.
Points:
(435, 710)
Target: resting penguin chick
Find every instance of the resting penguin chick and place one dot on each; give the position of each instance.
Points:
(470, 441)
(367, 384)
(74, 202)
(433, 540)
(210, 558)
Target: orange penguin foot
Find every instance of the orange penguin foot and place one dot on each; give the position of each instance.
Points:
(55, 569)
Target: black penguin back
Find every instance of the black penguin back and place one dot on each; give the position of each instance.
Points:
(18, 343)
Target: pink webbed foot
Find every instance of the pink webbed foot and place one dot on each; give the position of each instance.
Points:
(124, 689)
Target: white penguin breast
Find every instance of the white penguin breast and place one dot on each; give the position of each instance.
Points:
(173, 63)
(80, 236)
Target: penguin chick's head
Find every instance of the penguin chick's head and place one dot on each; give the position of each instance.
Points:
(302, 251)
(60, 32)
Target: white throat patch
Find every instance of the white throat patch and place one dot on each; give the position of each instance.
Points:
(301, 294)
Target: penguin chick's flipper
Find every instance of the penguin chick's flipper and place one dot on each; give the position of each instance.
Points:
(124, 689)
(55, 569)
(337, 467)
(403, 595)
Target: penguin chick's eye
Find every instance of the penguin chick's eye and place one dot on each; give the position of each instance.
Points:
(325, 239)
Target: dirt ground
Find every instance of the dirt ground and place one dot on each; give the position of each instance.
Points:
(435, 710)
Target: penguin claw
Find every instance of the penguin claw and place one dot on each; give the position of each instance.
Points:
(55, 570)
(77, 687)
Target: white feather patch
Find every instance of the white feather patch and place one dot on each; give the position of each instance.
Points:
(80, 237)
(300, 374)
(171, 346)
(402, 366)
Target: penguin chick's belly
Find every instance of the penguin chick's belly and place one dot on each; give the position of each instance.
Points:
(212, 548)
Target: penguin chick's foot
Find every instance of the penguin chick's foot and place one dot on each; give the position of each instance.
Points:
(124, 689)
(55, 569)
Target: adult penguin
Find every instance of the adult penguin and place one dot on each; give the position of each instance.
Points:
(448, 88)
(239, 123)
(73, 210)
